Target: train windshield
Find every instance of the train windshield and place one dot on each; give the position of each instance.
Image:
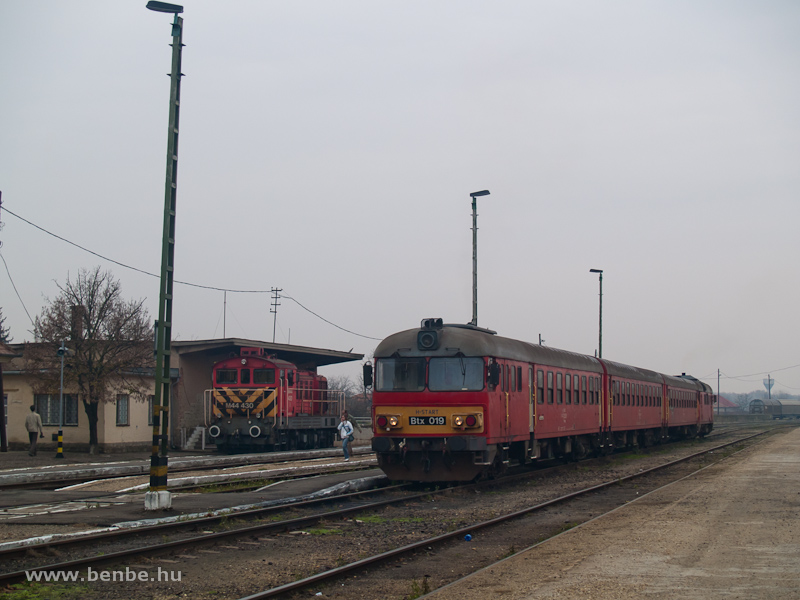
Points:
(455, 374)
(226, 376)
(264, 376)
(400, 375)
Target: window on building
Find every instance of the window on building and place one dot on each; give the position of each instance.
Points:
(48, 407)
(123, 416)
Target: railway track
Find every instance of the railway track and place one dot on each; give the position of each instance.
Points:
(356, 505)
(49, 479)
(599, 505)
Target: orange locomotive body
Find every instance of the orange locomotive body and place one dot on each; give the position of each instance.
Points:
(454, 402)
(261, 403)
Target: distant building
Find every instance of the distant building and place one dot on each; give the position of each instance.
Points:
(125, 422)
(726, 407)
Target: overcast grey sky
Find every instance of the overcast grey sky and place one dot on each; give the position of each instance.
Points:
(329, 149)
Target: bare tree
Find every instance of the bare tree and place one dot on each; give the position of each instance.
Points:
(110, 343)
(5, 334)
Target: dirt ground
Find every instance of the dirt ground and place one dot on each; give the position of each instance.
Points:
(730, 532)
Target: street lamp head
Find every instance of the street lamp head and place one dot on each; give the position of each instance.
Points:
(481, 193)
(595, 270)
(164, 7)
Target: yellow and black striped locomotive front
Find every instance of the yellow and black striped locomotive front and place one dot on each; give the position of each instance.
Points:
(243, 418)
(261, 403)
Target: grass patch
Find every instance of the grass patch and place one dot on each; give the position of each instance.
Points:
(324, 531)
(372, 519)
(42, 591)
(419, 589)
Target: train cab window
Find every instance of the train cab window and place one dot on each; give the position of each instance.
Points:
(455, 374)
(226, 376)
(583, 389)
(400, 374)
(568, 387)
(549, 387)
(559, 389)
(244, 376)
(540, 387)
(264, 376)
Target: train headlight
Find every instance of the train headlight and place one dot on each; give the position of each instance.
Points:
(214, 431)
(255, 431)
(388, 422)
(469, 421)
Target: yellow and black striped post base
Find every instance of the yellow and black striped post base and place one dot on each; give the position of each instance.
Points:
(60, 450)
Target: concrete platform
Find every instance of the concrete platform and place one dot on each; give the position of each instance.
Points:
(729, 532)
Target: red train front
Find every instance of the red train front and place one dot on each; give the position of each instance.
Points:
(452, 402)
(261, 403)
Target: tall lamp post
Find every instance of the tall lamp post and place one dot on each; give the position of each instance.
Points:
(474, 195)
(600, 342)
(158, 497)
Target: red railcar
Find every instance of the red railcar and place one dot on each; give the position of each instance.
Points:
(452, 402)
(261, 403)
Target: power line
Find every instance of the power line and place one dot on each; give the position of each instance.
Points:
(15, 289)
(196, 285)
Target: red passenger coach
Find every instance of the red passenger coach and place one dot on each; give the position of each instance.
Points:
(261, 403)
(453, 402)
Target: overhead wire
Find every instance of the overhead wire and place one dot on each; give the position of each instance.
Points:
(142, 271)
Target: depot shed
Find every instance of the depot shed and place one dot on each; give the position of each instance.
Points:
(195, 360)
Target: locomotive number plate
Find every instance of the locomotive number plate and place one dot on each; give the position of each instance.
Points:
(427, 420)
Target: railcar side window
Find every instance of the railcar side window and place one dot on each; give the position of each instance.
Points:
(513, 379)
(540, 387)
(226, 376)
(519, 379)
(400, 375)
(264, 376)
(616, 393)
(583, 389)
(455, 374)
(549, 387)
(569, 389)
(559, 389)
(576, 392)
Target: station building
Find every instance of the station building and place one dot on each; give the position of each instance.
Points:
(124, 421)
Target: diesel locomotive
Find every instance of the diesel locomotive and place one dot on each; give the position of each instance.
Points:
(456, 402)
(259, 403)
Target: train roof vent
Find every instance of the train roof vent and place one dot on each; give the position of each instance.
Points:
(252, 351)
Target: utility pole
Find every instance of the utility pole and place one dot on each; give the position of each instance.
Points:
(60, 450)
(274, 310)
(158, 497)
(718, 396)
(475, 195)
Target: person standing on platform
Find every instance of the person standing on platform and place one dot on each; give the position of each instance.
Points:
(346, 432)
(33, 423)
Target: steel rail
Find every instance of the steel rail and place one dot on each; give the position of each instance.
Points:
(378, 558)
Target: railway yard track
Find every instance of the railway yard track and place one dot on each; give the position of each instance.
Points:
(403, 544)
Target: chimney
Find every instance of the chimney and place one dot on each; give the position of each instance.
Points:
(77, 314)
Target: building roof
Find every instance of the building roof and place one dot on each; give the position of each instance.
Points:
(296, 354)
(7, 354)
(725, 403)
